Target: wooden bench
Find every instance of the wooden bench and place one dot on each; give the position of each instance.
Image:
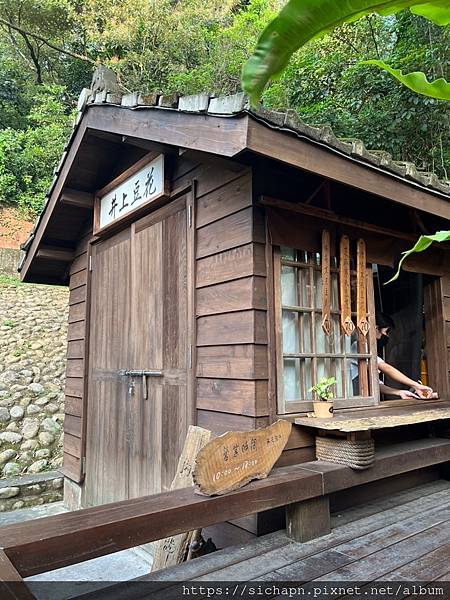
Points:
(57, 541)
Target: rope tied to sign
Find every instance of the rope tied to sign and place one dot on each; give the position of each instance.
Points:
(344, 274)
(326, 303)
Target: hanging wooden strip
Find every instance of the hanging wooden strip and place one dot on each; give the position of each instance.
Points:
(362, 321)
(344, 272)
(326, 283)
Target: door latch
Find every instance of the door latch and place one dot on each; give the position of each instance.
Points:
(141, 373)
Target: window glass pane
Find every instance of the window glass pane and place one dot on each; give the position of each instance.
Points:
(317, 290)
(334, 296)
(290, 332)
(358, 373)
(305, 332)
(327, 344)
(331, 367)
(297, 379)
(287, 253)
(288, 286)
(291, 379)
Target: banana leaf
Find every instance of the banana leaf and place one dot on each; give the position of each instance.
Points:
(417, 81)
(303, 20)
(422, 244)
(438, 11)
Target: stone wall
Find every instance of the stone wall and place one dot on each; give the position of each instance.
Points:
(33, 339)
(9, 259)
(30, 490)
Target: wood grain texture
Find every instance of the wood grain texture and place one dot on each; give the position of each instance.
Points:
(231, 264)
(309, 519)
(73, 425)
(241, 327)
(436, 340)
(318, 160)
(73, 406)
(225, 200)
(53, 542)
(77, 312)
(235, 230)
(247, 361)
(12, 586)
(219, 422)
(72, 445)
(240, 294)
(75, 367)
(232, 460)
(233, 395)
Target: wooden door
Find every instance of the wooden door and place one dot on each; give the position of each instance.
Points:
(139, 321)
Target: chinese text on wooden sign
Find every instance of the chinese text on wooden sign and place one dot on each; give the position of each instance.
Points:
(233, 459)
(143, 186)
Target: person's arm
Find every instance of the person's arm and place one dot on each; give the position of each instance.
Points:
(397, 375)
(403, 394)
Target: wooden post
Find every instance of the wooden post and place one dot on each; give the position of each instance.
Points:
(12, 586)
(172, 550)
(308, 519)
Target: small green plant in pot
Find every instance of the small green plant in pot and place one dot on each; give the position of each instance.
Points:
(323, 409)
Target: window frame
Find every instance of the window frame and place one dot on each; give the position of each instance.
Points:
(304, 405)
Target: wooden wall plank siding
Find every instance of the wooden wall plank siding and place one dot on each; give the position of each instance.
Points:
(249, 292)
(232, 264)
(237, 396)
(436, 322)
(229, 232)
(243, 327)
(445, 290)
(245, 361)
(76, 364)
(230, 300)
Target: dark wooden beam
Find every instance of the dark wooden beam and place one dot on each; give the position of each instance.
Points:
(225, 137)
(72, 152)
(45, 544)
(52, 542)
(77, 198)
(54, 253)
(317, 159)
(12, 586)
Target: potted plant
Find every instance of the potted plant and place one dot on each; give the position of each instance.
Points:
(323, 409)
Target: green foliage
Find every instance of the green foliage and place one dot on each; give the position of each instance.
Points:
(417, 81)
(323, 388)
(9, 323)
(422, 244)
(301, 21)
(7, 280)
(28, 156)
(192, 46)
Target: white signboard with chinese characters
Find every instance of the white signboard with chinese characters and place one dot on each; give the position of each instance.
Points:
(143, 185)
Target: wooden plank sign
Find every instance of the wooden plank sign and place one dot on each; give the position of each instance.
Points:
(326, 282)
(344, 272)
(128, 194)
(233, 459)
(361, 306)
(172, 550)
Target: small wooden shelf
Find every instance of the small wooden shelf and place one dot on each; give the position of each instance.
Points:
(394, 417)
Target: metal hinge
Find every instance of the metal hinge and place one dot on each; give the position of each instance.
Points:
(83, 465)
(190, 356)
(90, 262)
(189, 215)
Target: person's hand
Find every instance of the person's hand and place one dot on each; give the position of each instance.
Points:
(424, 391)
(406, 394)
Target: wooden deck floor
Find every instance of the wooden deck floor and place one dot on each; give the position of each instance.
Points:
(405, 537)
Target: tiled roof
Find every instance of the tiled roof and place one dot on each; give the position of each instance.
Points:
(231, 106)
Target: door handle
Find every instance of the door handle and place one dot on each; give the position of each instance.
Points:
(144, 373)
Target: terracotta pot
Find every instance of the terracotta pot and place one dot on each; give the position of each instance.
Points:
(323, 409)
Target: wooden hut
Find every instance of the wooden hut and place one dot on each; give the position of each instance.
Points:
(190, 233)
